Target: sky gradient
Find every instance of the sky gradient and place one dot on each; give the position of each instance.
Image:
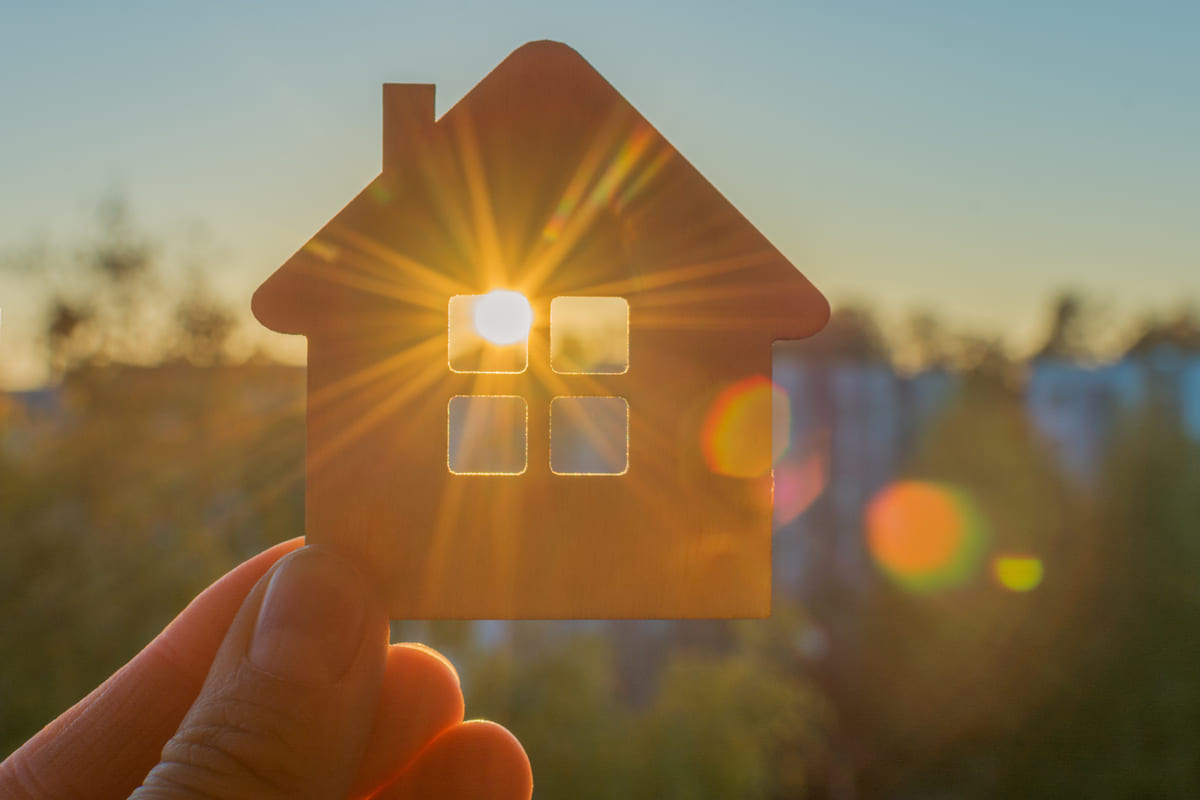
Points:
(966, 157)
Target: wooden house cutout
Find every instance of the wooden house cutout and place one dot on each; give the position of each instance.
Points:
(488, 457)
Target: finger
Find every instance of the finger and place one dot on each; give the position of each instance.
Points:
(190, 642)
(290, 699)
(103, 746)
(471, 761)
(420, 699)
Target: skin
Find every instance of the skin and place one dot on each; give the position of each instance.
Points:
(232, 701)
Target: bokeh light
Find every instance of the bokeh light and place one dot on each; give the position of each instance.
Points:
(503, 317)
(926, 536)
(798, 482)
(1018, 573)
(734, 439)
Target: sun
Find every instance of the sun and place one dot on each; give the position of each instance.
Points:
(503, 317)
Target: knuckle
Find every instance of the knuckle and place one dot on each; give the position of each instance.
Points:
(22, 781)
(231, 749)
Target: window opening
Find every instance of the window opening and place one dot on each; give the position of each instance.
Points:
(489, 332)
(589, 335)
(589, 435)
(487, 435)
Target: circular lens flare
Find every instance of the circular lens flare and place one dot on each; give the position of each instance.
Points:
(1018, 573)
(503, 317)
(926, 536)
(747, 428)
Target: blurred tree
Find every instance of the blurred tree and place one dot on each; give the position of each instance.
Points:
(718, 730)
(203, 325)
(1179, 332)
(116, 298)
(924, 343)
(1126, 721)
(119, 503)
(1074, 331)
(557, 697)
(105, 301)
(64, 320)
(137, 478)
(853, 334)
(741, 723)
(930, 669)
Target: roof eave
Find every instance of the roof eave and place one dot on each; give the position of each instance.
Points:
(275, 302)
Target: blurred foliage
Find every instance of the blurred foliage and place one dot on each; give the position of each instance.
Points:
(972, 659)
(1088, 686)
(736, 722)
(1127, 722)
(852, 334)
(156, 464)
(120, 505)
(115, 297)
(1071, 333)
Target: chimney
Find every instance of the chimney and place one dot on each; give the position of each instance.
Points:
(407, 118)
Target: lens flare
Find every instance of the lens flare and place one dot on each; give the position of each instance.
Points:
(797, 484)
(1017, 573)
(736, 439)
(503, 317)
(926, 536)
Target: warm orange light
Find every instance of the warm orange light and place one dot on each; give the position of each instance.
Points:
(589, 335)
(927, 536)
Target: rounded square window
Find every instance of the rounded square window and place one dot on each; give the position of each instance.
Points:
(489, 332)
(589, 435)
(487, 435)
(589, 335)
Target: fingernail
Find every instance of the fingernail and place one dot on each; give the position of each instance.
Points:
(310, 625)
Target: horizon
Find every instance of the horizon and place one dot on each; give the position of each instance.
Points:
(972, 163)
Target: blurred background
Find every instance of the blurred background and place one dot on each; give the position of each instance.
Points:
(987, 472)
(984, 565)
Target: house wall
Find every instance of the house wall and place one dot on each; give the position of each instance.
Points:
(669, 538)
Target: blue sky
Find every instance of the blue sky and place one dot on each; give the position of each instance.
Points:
(966, 157)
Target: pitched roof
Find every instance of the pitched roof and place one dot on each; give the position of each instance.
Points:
(542, 165)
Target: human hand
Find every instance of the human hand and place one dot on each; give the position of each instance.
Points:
(276, 681)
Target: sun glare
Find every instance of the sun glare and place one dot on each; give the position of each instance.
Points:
(503, 317)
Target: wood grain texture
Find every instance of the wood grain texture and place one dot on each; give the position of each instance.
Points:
(542, 179)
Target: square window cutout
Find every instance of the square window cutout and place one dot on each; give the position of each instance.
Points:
(487, 435)
(589, 436)
(589, 335)
(489, 332)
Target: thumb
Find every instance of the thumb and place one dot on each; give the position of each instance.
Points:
(291, 695)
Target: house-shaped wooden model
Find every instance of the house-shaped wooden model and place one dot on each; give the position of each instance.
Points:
(489, 457)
